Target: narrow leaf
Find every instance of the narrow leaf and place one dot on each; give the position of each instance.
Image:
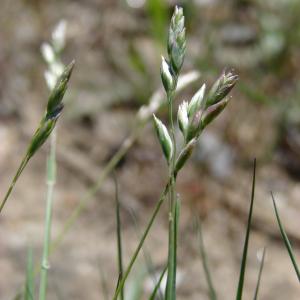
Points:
(158, 284)
(259, 274)
(146, 254)
(286, 239)
(211, 289)
(239, 293)
(119, 237)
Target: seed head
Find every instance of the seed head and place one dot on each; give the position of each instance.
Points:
(221, 88)
(212, 112)
(166, 76)
(164, 138)
(184, 155)
(182, 116)
(177, 40)
(59, 36)
(59, 90)
(194, 126)
(48, 53)
(196, 101)
(41, 135)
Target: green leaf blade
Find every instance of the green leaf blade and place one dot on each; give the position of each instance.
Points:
(239, 293)
(286, 239)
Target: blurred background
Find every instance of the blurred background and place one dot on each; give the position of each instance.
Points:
(117, 47)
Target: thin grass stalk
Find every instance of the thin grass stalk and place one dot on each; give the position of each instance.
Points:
(119, 237)
(171, 278)
(155, 103)
(239, 293)
(51, 177)
(22, 166)
(158, 284)
(211, 290)
(140, 245)
(29, 284)
(286, 239)
(147, 256)
(259, 274)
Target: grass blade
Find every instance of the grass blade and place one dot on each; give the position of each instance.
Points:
(239, 293)
(158, 284)
(286, 239)
(211, 289)
(29, 285)
(259, 274)
(119, 237)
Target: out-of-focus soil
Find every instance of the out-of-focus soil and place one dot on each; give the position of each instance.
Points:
(102, 102)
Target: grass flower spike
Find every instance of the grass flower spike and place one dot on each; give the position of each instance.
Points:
(47, 124)
(166, 76)
(164, 138)
(55, 100)
(177, 40)
(212, 112)
(183, 120)
(184, 155)
(196, 101)
(221, 88)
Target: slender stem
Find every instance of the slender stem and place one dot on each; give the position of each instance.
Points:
(158, 284)
(259, 274)
(212, 291)
(51, 176)
(171, 278)
(147, 256)
(134, 257)
(16, 177)
(119, 237)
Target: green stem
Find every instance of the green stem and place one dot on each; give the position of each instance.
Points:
(171, 278)
(212, 291)
(16, 177)
(119, 237)
(51, 176)
(158, 284)
(134, 257)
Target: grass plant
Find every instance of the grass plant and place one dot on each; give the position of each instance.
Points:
(192, 118)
